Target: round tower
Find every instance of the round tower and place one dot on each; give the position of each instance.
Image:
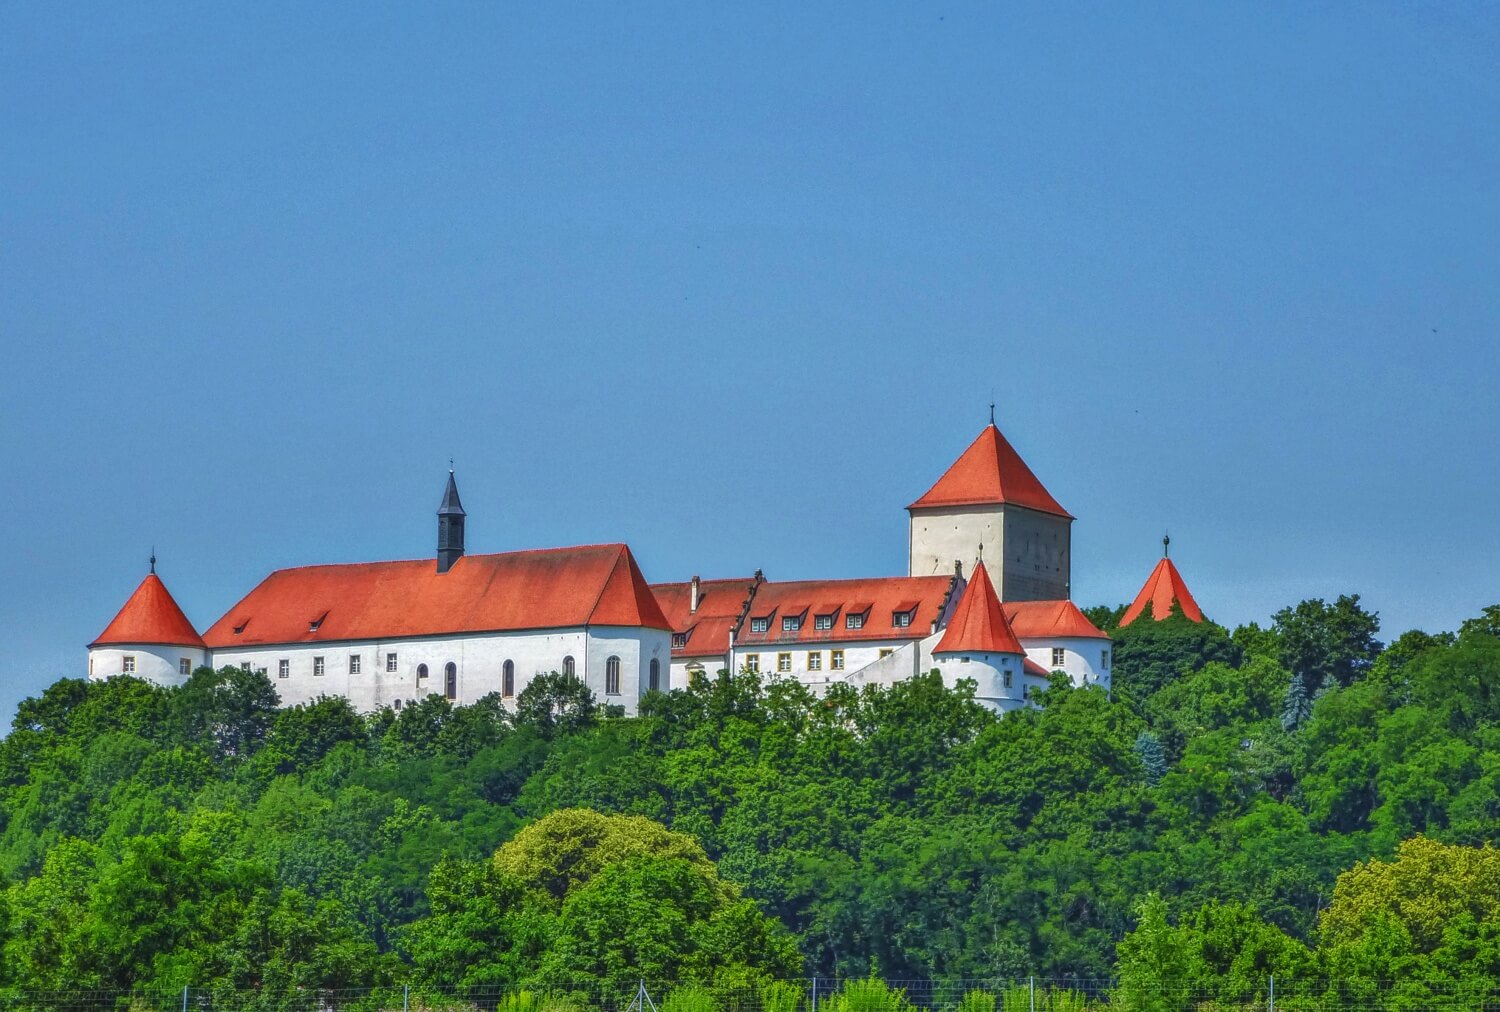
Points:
(149, 638)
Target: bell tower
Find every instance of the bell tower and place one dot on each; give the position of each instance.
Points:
(450, 514)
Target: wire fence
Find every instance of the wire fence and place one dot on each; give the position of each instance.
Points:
(1027, 994)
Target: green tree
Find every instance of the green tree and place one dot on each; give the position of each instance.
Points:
(554, 704)
(1327, 644)
(1149, 655)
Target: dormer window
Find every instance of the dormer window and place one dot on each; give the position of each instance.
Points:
(316, 623)
(900, 619)
(679, 640)
(823, 622)
(791, 623)
(854, 621)
(760, 625)
(241, 627)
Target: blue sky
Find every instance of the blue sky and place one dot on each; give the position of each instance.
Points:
(734, 287)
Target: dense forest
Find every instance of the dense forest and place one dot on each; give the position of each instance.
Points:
(1297, 799)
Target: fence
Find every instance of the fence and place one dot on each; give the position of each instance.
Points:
(1030, 994)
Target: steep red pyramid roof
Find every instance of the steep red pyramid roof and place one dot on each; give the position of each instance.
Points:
(1164, 587)
(990, 471)
(150, 618)
(547, 589)
(978, 625)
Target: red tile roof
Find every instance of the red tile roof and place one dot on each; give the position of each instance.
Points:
(150, 618)
(720, 605)
(1164, 587)
(1043, 620)
(1034, 669)
(595, 585)
(978, 625)
(882, 597)
(990, 471)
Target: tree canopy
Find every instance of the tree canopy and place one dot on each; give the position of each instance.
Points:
(161, 837)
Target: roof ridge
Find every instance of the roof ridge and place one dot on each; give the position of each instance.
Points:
(424, 559)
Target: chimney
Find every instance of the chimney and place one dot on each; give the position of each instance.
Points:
(693, 596)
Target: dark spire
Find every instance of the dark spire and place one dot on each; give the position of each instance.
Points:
(1166, 546)
(450, 525)
(153, 559)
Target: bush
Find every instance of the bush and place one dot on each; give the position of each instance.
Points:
(690, 999)
(869, 996)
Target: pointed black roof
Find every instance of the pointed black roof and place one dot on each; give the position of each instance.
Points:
(451, 506)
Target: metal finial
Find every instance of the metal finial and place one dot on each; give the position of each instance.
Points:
(992, 412)
(450, 465)
(1166, 546)
(153, 558)
(981, 551)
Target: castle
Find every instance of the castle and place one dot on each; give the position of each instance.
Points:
(465, 626)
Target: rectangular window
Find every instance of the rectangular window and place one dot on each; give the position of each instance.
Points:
(1059, 657)
(760, 625)
(815, 660)
(283, 668)
(854, 621)
(783, 662)
(900, 619)
(752, 662)
(127, 664)
(317, 665)
(886, 652)
(1026, 692)
(823, 622)
(679, 640)
(184, 666)
(390, 662)
(354, 664)
(1007, 678)
(791, 623)
(247, 666)
(1104, 659)
(836, 660)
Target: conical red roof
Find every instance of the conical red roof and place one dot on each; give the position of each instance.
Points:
(990, 471)
(1164, 588)
(978, 625)
(150, 618)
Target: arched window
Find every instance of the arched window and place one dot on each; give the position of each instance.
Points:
(421, 673)
(568, 665)
(508, 679)
(655, 675)
(398, 704)
(612, 676)
(450, 680)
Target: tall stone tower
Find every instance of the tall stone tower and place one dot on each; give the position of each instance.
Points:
(989, 505)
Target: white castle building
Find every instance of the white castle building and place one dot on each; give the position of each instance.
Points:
(465, 626)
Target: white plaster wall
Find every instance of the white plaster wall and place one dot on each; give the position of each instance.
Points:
(988, 671)
(711, 667)
(156, 664)
(887, 671)
(857, 655)
(939, 537)
(1083, 658)
(480, 659)
(636, 648)
(1028, 554)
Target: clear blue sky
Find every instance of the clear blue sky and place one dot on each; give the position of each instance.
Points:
(736, 287)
